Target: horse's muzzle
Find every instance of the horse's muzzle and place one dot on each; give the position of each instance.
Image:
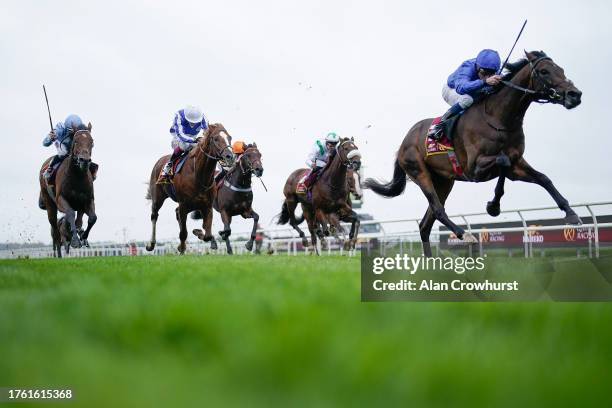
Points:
(355, 165)
(83, 163)
(572, 98)
(258, 171)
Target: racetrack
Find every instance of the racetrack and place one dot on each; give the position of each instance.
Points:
(145, 331)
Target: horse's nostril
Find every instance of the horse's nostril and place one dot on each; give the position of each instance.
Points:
(574, 94)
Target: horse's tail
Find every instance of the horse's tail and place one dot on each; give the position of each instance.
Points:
(391, 189)
(41, 202)
(148, 196)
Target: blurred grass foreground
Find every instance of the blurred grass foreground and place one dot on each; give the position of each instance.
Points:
(291, 331)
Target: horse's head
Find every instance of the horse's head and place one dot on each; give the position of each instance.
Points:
(82, 146)
(216, 144)
(250, 160)
(549, 81)
(349, 153)
(354, 183)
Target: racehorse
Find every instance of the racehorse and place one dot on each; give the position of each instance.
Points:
(193, 187)
(72, 193)
(235, 195)
(353, 183)
(329, 196)
(489, 142)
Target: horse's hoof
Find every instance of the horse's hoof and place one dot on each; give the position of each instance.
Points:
(249, 245)
(198, 233)
(75, 242)
(181, 249)
(85, 243)
(150, 246)
(573, 219)
(213, 244)
(469, 238)
(304, 242)
(493, 209)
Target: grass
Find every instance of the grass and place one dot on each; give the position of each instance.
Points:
(261, 331)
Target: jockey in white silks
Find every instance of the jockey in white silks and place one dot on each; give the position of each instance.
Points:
(317, 159)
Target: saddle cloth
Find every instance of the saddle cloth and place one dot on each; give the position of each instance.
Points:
(444, 144)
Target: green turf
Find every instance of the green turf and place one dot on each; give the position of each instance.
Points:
(291, 331)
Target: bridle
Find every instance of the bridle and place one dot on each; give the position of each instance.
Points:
(348, 162)
(548, 94)
(219, 158)
(75, 134)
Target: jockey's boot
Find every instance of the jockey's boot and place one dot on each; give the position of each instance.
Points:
(165, 175)
(435, 131)
(311, 178)
(49, 170)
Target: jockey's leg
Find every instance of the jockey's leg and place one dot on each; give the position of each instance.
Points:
(178, 147)
(458, 103)
(312, 176)
(57, 159)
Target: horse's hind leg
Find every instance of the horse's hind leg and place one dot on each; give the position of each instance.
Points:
(157, 200)
(443, 189)
(524, 172)
(423, 178)
(55, 232)
(251, 214)
(291, 206)
(312, 226)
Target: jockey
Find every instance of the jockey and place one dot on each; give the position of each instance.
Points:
(238, 148)
(317, 159)
(61, 136)
(473, 77)
(187, 125)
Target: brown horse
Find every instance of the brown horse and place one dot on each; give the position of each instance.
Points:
(73, 193)
(235, 195)
(489, 143)
(353, 184)
(193, 187)
(329, 196)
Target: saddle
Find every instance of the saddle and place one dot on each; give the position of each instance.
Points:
(444, 144)
(178, 163)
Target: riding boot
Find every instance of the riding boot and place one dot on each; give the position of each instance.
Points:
(312, 177)
(49, 170)
(166, 174)
(435, 131)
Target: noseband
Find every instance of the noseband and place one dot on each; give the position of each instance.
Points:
(349, 156)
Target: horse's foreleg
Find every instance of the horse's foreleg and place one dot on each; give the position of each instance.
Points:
(443, 188)
(227, 231)
(352, 217)
(207, 214)
(493, 207)
(64, 207)
(251, 214)
(291, 206)
(312, 225)
(524, 172)
(91, 220)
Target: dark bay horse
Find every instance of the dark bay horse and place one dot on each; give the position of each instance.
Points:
(235, 195)
(329, 196)
(193, 187)
(489, 142)
(73, 192)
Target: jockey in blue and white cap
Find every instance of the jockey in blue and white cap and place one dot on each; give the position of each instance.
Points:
(472, 78)
(61, 136)
(187, 125)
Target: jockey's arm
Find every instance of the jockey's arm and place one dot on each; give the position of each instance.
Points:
(463, 85)
(179, 131)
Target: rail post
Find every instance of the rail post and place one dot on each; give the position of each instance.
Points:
(596, 227)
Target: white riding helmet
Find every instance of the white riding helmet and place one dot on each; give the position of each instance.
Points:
(193, 114)
(332, 138)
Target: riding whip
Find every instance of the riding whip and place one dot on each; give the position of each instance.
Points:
(48, 110)
(512, 49)
(262, 183)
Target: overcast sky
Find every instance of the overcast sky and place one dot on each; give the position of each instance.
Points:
(281, 73)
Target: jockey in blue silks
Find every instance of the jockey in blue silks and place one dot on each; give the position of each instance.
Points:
(61, 136)
(472, 78)
(187, 125)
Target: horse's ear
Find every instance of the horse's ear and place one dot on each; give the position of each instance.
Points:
(89, 126)
(255, 145)
(352, 139)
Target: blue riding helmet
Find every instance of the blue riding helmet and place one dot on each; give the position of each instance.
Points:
(73, 121)
(488, 59)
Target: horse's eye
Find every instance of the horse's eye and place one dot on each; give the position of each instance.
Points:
(544, 72)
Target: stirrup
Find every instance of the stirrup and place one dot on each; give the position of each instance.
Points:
(435, 131)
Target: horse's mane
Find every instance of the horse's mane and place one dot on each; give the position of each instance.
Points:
(514, 67)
